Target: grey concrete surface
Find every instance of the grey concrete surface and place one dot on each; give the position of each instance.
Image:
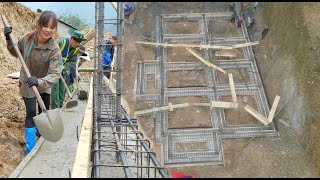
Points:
(55, 160)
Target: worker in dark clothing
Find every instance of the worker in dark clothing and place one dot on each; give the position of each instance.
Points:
(108, 56)
(233, 17)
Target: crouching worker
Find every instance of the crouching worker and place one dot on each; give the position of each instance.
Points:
(43, 59)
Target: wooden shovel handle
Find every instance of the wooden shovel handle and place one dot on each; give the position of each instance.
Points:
(65, 85)
(36, 92)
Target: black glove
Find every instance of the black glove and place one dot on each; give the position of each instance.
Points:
(7, 31)
(32, 81)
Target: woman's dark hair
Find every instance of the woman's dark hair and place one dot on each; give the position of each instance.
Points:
(45, 18)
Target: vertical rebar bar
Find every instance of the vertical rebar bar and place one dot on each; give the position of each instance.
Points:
(95, 119)
(119, 58)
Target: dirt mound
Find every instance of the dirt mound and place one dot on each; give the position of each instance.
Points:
(12, 109)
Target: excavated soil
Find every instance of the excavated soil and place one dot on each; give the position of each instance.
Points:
(12, 108)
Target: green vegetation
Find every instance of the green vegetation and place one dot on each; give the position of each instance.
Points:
(74, 20)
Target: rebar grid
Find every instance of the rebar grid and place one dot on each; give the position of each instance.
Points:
(253, 88)
(117, 143)
(126, 148)
(210, 151)
(127, 145)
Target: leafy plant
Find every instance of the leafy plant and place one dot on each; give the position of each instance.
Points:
(74, 20)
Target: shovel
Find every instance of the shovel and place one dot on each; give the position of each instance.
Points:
(82, 94)
(49, 122)
(71, 103)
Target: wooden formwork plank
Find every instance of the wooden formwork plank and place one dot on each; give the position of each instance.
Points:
(200, 46)
(173, 106)
(216, 14)
(256, 114)
(227, 105)
(170, 106)
(163, 108)
(273, 108)
(83, 155)
(233, 89)
(205, 61)
(225, 53)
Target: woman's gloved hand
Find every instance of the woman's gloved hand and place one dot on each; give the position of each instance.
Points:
(32, 81)
(7, 31)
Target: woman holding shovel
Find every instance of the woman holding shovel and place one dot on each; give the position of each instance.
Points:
(42, 57)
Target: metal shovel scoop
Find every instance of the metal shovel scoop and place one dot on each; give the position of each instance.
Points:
(71, 103)
(49, 122)
(82, 94)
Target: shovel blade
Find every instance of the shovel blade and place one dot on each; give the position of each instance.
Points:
(71, 104)
(50, 125)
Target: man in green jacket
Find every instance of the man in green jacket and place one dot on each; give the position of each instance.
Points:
(69, 48)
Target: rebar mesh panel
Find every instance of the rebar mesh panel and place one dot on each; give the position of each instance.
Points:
(210, 153)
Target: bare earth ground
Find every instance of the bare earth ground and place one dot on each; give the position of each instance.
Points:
(12, 110)
(258, 157)
(255, 157)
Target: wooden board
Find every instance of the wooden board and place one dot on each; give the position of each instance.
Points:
(215, 14)
(163, 108)
(25, 161)
(200, 46)
(233, 89)
(171, 107)
(227, 105)
(83, 155)
(205, 61)
(226, 53)
(256, 114)
(86, 69)
(273, 108)
(14, 75)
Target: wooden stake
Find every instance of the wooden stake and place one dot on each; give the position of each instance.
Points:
(227, 105)
(170, 106)
(256, 114)
(273, 108)
(233, 89)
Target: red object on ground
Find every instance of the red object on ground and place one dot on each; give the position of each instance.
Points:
(181, 175)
